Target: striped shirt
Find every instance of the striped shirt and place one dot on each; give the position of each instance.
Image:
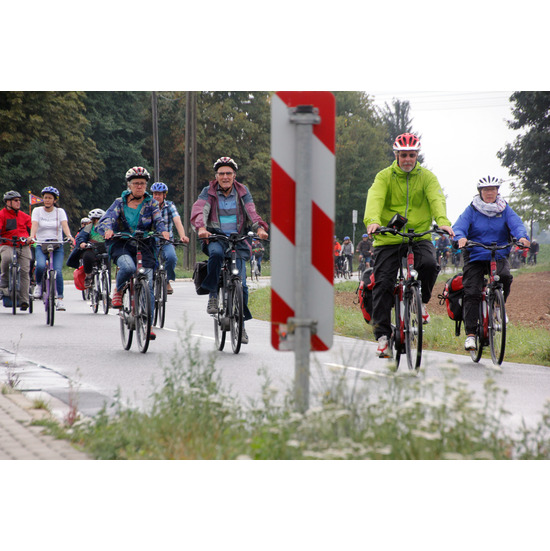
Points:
(227, 211)
(168, 213)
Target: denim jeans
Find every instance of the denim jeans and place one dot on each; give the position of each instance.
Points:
(170, 261)
(216, 252)
(126, 268)
(58, 257)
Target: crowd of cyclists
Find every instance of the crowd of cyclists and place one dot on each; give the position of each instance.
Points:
(226, 206)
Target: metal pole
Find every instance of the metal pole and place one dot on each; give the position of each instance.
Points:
(154, 103)
(190, 173)
(304, 116)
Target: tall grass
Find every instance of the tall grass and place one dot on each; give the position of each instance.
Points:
(391, 417)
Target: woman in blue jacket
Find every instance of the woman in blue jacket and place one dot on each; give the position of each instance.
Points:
(487, 219)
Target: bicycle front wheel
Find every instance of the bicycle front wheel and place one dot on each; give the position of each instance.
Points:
(94, 291)
(50, 307)
(143, 315)
(497, 326)
(161, 294)
(14, 273)
(397, 338)
(220, 328)
(413, 327)
(236, 315)
(104, 293)
(126, 319)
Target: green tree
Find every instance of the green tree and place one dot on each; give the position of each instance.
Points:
(531, 208)
(117, 126)
(44, 140)
(526, 157)
(361, 152)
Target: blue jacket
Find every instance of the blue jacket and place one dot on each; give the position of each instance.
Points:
(150, 220)
(476, 226)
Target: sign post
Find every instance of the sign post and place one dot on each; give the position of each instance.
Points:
(303, 174)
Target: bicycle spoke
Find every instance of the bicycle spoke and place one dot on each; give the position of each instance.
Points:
(497, 327)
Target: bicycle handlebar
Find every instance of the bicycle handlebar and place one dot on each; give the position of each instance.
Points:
(412, 234)
(494, 246)
(15, 239)
(233, 238)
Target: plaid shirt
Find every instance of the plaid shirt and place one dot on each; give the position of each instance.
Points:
(168, 213)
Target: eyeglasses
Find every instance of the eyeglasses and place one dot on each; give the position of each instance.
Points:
(405, 154)
(17, 199)
(225, 173)
(141, 184)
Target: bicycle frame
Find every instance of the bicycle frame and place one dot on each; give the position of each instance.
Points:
(49, 279)
(14, 274)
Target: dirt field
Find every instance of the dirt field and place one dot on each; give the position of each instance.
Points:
(528, 303)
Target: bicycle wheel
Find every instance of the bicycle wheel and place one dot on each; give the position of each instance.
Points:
(220, 327)
(497, 326)
(397, 333)
(413, 327)
(161, 294)
(13, 285)
(235, 308)
(126, 319)
(143, 315)
(477, 353)
(94, 291)
(104, 293)
(51, 299)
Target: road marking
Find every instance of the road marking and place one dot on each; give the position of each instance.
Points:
(367, 371)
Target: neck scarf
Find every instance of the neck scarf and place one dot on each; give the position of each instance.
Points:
(489, 209)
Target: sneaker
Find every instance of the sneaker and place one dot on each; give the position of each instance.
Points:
(470, 343)
(88, 281)
(212, 307)
(425, 316)
(152, 335)
(24, 306)
(37, 292)
(384, 350)
(244, 338)
(169, 289)
(59, 305)
(116, 301)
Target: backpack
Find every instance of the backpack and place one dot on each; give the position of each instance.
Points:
(199, 275)
(364, 292)
(452, 296)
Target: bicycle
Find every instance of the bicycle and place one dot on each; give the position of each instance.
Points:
(230, 315)
(14, 274)
(99, 290)
(491, 325)
(136, 313)
(254, 271)
(361, 268)
(407, 330)
(49, 278)
(160, 286)
(346, 270)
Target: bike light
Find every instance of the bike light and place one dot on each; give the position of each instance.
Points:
(141, 270)
(234, 271)
(414, 274)
(497, 278)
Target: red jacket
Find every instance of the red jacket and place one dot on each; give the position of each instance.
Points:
(14, 223)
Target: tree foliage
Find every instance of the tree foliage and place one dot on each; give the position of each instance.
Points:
(44, 140)
(527, 157)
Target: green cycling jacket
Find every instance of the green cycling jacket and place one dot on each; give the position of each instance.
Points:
(416, 195)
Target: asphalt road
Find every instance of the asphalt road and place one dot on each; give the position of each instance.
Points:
(82, 356)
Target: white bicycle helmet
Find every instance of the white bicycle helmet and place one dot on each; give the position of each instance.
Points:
(96, 213)
(489, 181)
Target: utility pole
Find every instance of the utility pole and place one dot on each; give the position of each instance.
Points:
(154, 104)
(190, 174)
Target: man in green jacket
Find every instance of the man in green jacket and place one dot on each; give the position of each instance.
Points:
(408, 189)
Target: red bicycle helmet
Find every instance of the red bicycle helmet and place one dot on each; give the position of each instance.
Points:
(406, 142)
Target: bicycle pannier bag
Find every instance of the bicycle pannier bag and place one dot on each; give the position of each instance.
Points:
(79, 276)
(452, 296)
(365, 294)
(199, 275)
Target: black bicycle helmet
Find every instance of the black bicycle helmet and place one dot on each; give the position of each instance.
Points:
(9, 195)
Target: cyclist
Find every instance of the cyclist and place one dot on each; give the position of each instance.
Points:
(347, 251)
(258, 252)
(365, 249)
(487, 219)
(88, 234)
(533, 251)
(226, 206)
(443, 248)
(337, 250)
(15, 223)
(171, 218)
(49, 223)
(134, 210)
(409, 189)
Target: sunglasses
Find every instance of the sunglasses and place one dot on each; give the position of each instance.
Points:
(405, 155)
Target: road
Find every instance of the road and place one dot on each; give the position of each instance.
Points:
(82, 356)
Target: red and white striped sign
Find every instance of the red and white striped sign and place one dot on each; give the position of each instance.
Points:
(320, 290)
